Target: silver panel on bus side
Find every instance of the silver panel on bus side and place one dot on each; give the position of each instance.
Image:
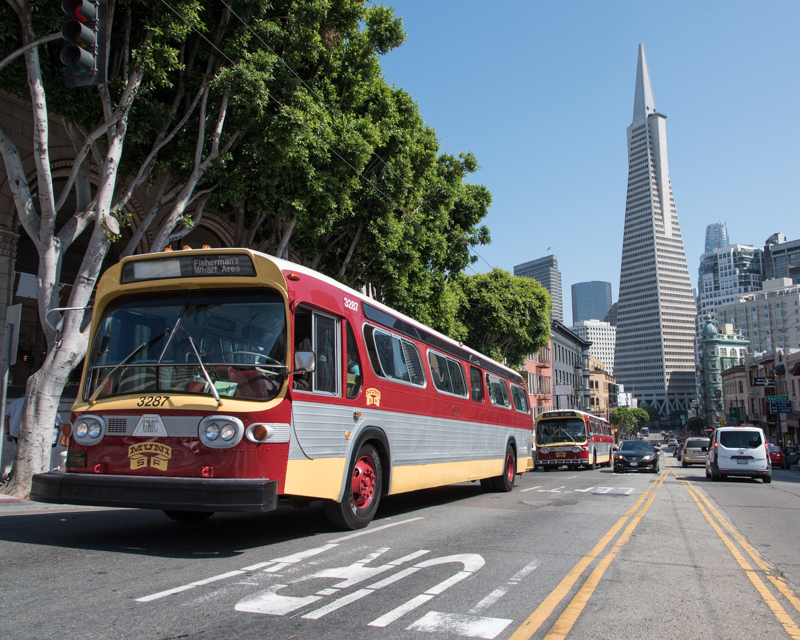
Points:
(320, 432)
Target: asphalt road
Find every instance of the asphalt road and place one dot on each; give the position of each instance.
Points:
(586, 554)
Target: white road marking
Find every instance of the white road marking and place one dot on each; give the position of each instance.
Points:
(489, 600)
(472, 562)
(628, 490)
(399, 612)
(191, 585)
(281, 563)
(463, 625)
(556, 490)
(498, 593)
(584, 490)
(604, 489)
(366, 531)
(530, 488)
(519, 575)
(270, 602)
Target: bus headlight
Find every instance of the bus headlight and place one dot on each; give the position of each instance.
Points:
(544, 450)
(220, 432)
(89, 429)
(227, 432)
(576, 449)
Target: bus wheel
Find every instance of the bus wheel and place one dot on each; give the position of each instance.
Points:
(189, 516)
(362, 493)
(505, 482)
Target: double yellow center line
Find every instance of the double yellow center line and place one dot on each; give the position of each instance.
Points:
(718, 523)
(570, 615)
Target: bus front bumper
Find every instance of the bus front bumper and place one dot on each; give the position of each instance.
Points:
(140, 492)
(558, 462)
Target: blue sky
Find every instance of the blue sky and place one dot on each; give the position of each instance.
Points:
(542, 94)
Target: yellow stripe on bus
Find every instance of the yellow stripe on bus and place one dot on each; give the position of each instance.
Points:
(422, 476)
(319, 478)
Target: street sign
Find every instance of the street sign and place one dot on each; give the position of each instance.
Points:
(777, 398)
(761, 382)
(734, 414)
(784, 407)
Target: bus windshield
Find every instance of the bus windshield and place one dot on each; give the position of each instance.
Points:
(177, 342)
(560, 430)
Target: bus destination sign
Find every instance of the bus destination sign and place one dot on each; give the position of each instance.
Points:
(189, 266)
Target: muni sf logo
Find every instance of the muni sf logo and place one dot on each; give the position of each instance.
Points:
(157, 454)
(373, 397)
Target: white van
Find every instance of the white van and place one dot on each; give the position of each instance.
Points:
(738, 451)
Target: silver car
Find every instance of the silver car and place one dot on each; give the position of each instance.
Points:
(694, 451)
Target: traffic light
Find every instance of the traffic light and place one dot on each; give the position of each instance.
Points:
(84, 55)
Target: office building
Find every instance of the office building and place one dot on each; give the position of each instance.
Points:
(570, 368)
(769, 318)
(590, 300)
(545, 271)
(603, 337)
(716, 236)
(782, 258)
(654, 357)
(725, 274)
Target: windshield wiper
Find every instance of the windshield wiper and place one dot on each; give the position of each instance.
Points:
(202, 366)
(147, 344)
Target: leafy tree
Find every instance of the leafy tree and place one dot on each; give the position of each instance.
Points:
(695, 425)
(652, 412)
(640, 416)
(187, 91)
(504, 316)
(625, 420)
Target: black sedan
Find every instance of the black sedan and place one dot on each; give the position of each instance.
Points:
(636, 455)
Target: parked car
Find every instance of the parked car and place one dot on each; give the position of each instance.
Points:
(777, 457)
(738, 451)
(635, 455)
(694, 451)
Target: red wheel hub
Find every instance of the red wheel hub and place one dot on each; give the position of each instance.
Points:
(363, 482)
(510, 467)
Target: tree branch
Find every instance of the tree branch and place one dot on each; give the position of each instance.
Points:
(16, 54)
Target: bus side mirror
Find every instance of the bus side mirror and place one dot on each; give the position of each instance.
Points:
(304, 362)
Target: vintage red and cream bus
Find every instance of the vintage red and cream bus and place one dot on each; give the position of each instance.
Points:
(573, 438)
(229, 380)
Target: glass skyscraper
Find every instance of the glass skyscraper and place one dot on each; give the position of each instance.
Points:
(590, 300)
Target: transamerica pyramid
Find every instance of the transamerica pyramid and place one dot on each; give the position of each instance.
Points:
(655, 324)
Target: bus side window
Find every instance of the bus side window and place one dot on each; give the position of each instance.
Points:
(320, 334)
(369, 340)
(325, 343)
(302, 342)
(353, 365)
(476, 384)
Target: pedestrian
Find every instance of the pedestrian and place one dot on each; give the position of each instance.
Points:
(11, 426)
